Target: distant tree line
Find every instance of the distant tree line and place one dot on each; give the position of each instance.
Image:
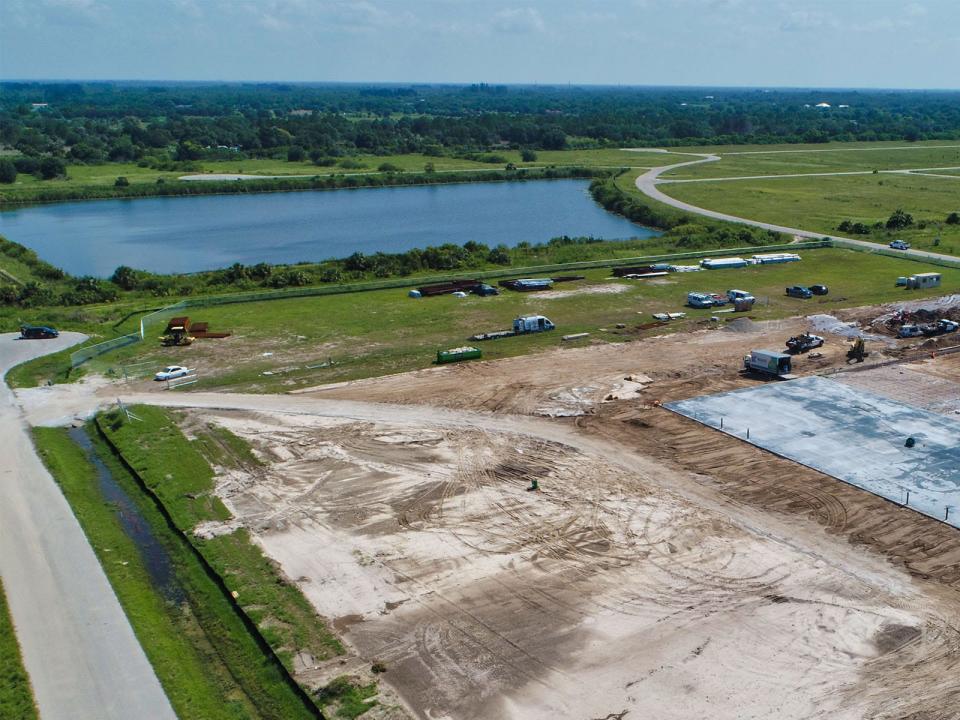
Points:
(158, 124)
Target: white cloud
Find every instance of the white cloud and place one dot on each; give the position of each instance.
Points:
(518, 20)
(807, 20)
(915, 10)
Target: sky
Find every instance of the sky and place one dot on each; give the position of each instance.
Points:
(767, 43)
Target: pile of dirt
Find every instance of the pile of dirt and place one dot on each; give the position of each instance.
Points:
(741, 325)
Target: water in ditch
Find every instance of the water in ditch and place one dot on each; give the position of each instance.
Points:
(154, 555)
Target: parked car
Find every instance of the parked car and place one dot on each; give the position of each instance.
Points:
(171, 371)
(900, 245)
(799, 291)
(819, 289)
(38, 332)
(908, 331)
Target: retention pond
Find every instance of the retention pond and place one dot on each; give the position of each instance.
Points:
(187, 234)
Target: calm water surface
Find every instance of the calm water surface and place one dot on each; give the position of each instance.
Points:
(186, 234)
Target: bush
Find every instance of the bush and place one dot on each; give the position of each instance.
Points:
(295, 153)
(51, 167)
(899, 220)
(528, 155)
(8, 171)
(351, 164)
(500, 255)
(389, 167)
(121, 182)
(953, 219)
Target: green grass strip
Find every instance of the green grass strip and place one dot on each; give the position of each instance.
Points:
(195, 678)
(175, 470)
(16, 699)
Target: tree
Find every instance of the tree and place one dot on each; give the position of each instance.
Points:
(295, 153)
(356, 262)
(500, 255)
(51, 167)
(953, 219)
(8, 171)
(528, 155)
(899, 220)
(124, 277)
(429, 168)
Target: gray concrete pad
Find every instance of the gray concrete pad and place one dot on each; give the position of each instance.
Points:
(850, 433)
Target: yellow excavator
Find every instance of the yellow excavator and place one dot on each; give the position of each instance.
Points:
(858, 352)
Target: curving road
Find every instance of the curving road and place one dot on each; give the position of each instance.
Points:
(647, 184)
(83, 659)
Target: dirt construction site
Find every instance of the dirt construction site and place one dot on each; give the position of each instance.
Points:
(539, 537)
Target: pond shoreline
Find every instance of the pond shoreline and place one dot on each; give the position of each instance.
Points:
(295, 183)
(165, 236)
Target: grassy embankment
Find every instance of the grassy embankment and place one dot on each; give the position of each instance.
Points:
(97, 181)
(16, 698)
(177, 473)
(207, 661)
(383, 331)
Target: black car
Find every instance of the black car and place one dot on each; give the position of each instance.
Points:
(37, 332)
(819, 289)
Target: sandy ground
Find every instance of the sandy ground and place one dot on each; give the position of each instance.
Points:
(604, 592)
(664, 570)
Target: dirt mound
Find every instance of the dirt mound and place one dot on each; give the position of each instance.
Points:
(742, 325)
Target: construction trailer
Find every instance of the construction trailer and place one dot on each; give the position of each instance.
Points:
(921, 281)
(723, 263)
(770, 363)
(774, 258)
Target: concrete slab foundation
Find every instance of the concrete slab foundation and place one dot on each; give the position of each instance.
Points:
(851, 434)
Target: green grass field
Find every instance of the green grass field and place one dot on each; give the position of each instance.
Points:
(16, 698)
(785, 160)
(821, 203)
(384, 331)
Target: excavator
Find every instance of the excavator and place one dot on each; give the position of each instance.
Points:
(858, 352)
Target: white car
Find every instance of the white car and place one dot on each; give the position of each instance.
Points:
(900, 245)
(171, 371)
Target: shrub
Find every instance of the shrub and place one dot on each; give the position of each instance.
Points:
(953, 219)
(8, 171)
(899, 220)
(121, 182)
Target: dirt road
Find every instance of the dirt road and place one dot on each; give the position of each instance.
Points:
(78, 647)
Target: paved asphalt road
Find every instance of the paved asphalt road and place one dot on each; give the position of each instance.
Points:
(647, 184)
(83, 659)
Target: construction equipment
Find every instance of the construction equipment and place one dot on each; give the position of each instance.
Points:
(177, 332)
(769, 363)
(804, 342)
(180, 331)
(858, 352)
